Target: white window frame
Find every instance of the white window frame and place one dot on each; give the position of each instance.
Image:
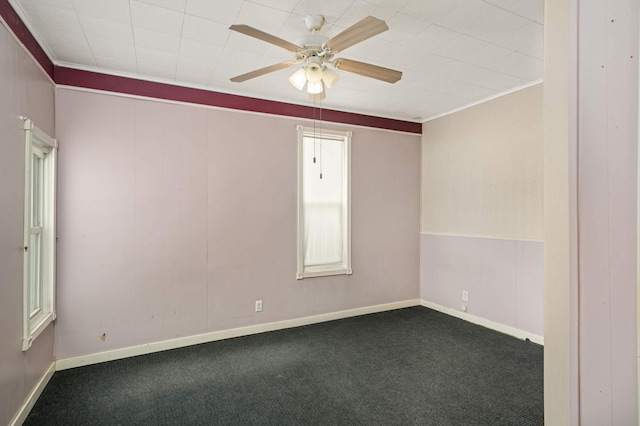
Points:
(340, 268)
(36, 321)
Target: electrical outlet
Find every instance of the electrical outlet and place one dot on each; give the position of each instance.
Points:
(464, 308)
(258, 305)
(465, 295)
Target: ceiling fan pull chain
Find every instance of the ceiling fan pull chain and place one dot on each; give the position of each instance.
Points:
(320, 158)
(320, 142)
(314, 131)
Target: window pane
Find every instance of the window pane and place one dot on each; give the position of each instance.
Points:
(323, 234)
(37, 189)
(323, 184)
(34, 274)
(35, 255)
(329, 162)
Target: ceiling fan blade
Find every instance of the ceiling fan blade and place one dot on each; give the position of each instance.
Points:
(261, 35)
(261, 71)
(356, 33)
(368, 70)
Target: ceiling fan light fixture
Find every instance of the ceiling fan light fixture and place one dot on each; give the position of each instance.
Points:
(314, 73)
(299, 79)
(314, 88)
(329, 77)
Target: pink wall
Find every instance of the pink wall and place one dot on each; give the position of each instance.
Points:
(24, 90)
(607, 213)
(503, 278)
(174, 219)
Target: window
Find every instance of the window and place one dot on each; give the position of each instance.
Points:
(324, 213)
(39, 232)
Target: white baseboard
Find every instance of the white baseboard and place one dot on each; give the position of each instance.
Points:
(63, 364)
(511, 331)
(24, 411)
(79, 361)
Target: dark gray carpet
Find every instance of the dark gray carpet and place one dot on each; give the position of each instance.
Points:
(411, 366)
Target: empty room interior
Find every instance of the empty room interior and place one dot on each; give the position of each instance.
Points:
(183, 175)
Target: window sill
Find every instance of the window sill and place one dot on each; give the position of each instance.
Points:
(310, 272)
(42, 325)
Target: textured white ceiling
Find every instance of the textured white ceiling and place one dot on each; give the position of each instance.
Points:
(452, 52)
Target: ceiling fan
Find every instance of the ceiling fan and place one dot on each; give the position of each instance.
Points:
(315, 52)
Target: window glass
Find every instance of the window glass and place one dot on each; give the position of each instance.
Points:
(323, 204)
